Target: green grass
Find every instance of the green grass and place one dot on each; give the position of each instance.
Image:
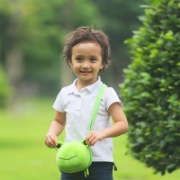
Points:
(23, 155)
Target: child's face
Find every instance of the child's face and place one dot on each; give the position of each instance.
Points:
(86, 61)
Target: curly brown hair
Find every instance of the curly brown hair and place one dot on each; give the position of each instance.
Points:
(86, 33)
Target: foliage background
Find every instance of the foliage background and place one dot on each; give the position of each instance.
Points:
(33, 33)
(151, 88)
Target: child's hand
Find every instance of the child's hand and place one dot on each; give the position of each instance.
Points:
(94, 136)
(51, 140)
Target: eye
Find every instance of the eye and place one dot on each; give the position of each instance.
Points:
(93, 59)
(79, 59)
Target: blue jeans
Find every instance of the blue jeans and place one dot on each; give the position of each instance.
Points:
(97, 171)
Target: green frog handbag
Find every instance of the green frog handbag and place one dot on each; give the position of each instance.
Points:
(76, 156)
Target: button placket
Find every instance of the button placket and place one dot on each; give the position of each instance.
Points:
(79, 104)
(82, 94)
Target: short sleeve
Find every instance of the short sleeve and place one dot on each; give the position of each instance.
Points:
(58, 104)
(111, 97)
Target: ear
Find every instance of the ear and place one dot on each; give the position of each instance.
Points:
(70, 64)
(102, 66)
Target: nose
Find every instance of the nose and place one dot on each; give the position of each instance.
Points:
(85, 65)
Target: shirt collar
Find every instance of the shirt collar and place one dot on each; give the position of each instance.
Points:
(93, 87)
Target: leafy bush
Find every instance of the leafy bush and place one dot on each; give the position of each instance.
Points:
(151, 89)
(4, 89)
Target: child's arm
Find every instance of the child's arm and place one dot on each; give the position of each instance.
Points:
(55, 129)
(119, 127)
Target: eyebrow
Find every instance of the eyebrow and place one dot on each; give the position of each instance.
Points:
(83, 55)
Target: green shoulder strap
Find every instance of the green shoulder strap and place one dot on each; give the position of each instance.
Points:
(96, 105)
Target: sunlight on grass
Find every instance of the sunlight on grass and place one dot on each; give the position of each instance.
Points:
(23, 155)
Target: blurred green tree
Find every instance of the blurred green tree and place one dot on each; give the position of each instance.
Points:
(151, 88)
(119, 19)
(36, 32)
(5, 90)
(33, 37)
(5, 18)
(44, 28)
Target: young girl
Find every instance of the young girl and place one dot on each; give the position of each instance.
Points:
(87, 52)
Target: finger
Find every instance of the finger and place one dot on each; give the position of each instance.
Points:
(49, 143)
(92, 138)
(87, 142)
(93, 142)
(54, 143)
(52, 146)
(46, 142)
(52, 140)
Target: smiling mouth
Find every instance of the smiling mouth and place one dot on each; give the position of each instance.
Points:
(68, 158)
(85, 71)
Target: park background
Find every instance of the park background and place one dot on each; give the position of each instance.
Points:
(32, 37)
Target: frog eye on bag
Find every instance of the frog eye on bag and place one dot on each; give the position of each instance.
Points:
(84, 142)
(58, 146)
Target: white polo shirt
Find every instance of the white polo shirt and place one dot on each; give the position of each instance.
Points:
(78, 108)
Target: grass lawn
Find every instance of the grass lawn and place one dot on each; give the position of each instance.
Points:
(23, 155)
